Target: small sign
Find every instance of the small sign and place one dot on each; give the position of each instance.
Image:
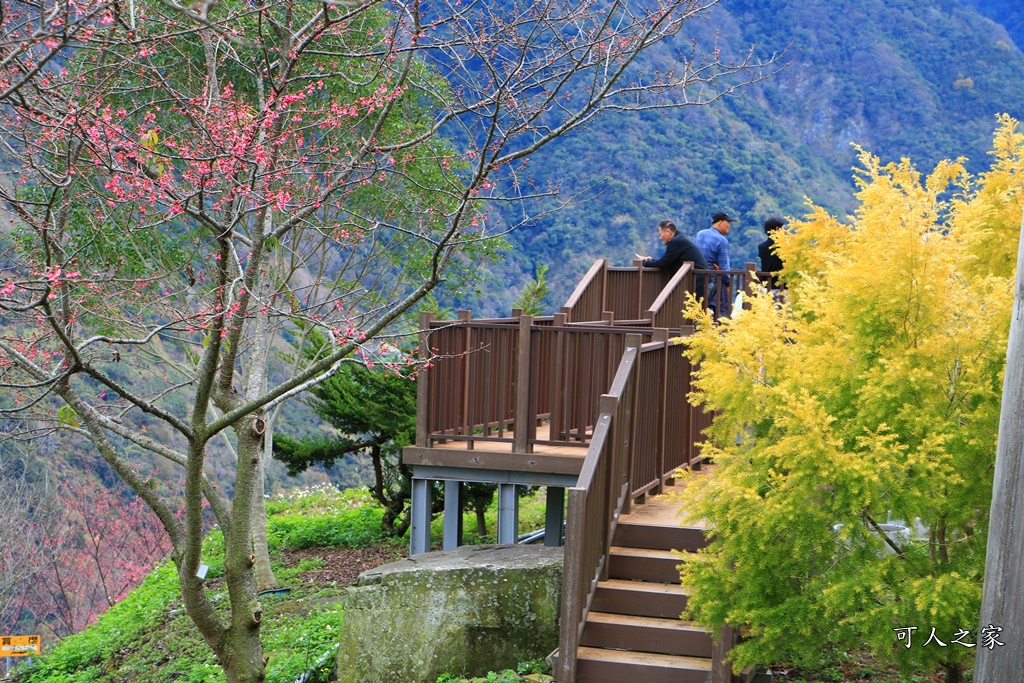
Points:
(201, 572)
(20, 646)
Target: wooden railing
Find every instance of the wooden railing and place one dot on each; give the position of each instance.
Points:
(643, 433)
(587, 300)
(630, 293)
(605, 372)
(721, 286)
(485, 373)
(667, 308)
(593, 509)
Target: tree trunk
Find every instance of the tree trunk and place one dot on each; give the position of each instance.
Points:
(241, 652)
(1002, 599)
(265, 579)
(481, 523)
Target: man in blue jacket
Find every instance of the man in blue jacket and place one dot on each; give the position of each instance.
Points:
(678, 250)
(715, 247)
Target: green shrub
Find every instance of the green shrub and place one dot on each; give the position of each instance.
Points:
(356, 528)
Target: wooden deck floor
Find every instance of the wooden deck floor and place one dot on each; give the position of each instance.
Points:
(547, 465)
(543, 434)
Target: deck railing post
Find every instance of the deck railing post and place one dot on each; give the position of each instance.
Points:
(661, 335)
(523, 420)
(721, 670)
(633, 341)
(556, 419)
(467, 421)
(422, 388)
(572, 573)
(609, 405)
(752, 284)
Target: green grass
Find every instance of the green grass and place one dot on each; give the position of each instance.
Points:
(148, 638)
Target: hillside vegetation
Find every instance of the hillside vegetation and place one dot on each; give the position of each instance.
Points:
(922, 79)
(321, 540)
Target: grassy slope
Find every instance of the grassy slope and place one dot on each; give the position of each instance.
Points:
(147, 638)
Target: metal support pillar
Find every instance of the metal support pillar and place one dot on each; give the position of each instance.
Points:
(419, 536)
(508, 514)
(554, 517)
(452, 515)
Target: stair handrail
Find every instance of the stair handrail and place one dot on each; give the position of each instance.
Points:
(593, 507)
(592, 284)
(667, 309)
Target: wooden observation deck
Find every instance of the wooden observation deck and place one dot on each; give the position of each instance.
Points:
(590, 402)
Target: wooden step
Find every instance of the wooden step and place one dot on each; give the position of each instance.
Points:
(646, 634)
(640, 598)
(644, 565)
(657, 537)
(595, 665)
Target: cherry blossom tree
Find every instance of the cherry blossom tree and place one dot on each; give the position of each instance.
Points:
(35, 36)
(31, 537)
(69, 551)
(188, 183)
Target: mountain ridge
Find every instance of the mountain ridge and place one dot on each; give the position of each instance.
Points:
(921, 79)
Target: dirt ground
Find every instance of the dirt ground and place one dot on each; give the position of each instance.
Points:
(342, 565)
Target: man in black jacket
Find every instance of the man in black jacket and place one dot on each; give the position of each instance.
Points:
(678, 250)
(770, 261)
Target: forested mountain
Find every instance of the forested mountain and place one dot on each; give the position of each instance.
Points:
(922, 79)
(1009, 13)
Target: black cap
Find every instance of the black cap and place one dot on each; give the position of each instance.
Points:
(773, 223)
(719, 216)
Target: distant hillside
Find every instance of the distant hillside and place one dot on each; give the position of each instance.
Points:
(922, 79)
(1009, 13)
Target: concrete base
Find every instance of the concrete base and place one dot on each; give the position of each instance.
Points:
(466, 611)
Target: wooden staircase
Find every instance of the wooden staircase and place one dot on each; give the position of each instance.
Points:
(633, 631)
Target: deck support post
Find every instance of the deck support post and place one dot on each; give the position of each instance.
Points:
(419, 535)
(452, 515)
(554, 517)
(508, 514)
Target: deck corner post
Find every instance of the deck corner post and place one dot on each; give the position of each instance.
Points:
(521, 434)
(752, 284)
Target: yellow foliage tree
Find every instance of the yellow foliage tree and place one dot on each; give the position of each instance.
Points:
(856, 423)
